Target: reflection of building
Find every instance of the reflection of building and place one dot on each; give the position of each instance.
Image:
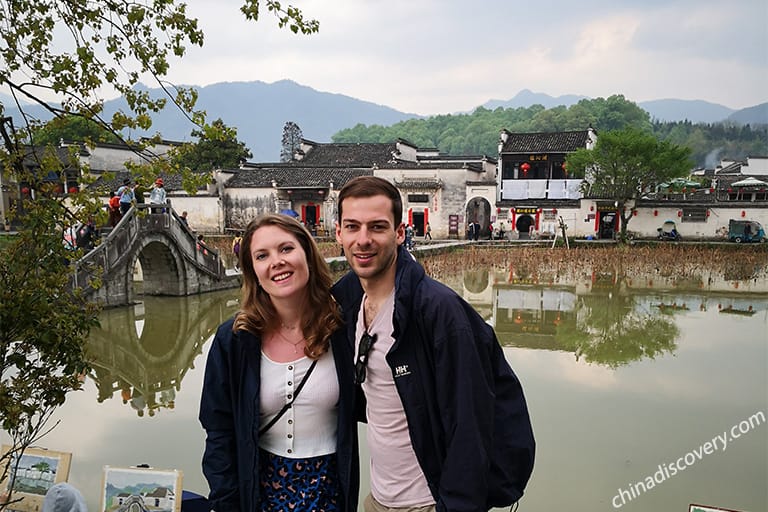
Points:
(144, 351)
(532, 316)
(605, 317)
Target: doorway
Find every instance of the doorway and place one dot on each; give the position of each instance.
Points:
(418, 223)
(523, 225)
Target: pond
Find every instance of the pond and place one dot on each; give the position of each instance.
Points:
(648, 390)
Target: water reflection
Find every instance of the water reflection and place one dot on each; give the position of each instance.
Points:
(622, 371)
(610, 318)
(144, 351)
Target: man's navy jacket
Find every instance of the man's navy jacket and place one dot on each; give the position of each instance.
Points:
(467, 416)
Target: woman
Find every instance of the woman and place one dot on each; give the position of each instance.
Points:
(288, 323)
(157, 195)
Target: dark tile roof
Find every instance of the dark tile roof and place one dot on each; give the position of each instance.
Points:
(350, 154)
(294, 176)
(171, 183)
(725, 181)
(419, 183)
(460, 158)
(734, 168)
(555, 142)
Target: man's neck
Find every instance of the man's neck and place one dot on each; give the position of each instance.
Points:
(380, 287)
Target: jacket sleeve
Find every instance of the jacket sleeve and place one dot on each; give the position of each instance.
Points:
(217, 418)
(465, 397)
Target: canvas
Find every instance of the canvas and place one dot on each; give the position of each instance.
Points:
(32, 474)
(139, 489)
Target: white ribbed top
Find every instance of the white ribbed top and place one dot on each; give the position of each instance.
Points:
(308, 428)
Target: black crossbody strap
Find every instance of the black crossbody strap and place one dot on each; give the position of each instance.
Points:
(289, 404)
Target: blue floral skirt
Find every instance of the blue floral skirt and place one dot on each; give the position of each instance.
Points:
(298, 484)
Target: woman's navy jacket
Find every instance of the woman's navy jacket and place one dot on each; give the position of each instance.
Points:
(229, 413)
(467, 416)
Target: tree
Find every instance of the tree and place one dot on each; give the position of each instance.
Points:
(72, 50)
(72, 128)
(291, 141)
(217, 147)
(626, 163)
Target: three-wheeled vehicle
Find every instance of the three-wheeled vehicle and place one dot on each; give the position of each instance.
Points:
(668, 231)
(745, 231)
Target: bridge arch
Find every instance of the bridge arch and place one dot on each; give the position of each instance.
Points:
(162, 266)
(170, 258)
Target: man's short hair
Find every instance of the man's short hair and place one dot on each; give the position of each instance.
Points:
(369, 186)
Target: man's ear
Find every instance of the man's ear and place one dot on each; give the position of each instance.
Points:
(338, 231)
(400, 233)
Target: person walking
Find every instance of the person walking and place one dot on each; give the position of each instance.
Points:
(446, 417)
(409, 237)
(428, 232)
(278, 393)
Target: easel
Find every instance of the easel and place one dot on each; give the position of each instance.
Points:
(563, 227)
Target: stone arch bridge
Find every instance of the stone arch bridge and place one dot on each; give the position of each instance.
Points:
(172, 261)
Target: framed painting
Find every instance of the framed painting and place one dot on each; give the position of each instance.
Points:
(136, 489)
(693, 507)
(31, 474)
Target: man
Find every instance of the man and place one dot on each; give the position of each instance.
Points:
(439, 397)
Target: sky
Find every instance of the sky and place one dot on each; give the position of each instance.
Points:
(441, 56)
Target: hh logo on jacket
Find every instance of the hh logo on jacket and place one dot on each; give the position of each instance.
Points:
(402, 371)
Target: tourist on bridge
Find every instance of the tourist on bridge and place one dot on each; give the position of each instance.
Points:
(447, 423)
(125, 193)
(113, 209)
(278, 393)
(157, 195)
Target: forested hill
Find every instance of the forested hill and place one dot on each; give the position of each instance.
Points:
(478, 133)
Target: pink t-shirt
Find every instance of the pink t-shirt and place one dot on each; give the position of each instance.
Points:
(396, 477)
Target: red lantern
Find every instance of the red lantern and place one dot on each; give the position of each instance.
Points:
(25, 190)
(72, 190)
(554, 211)
(655, 213)
(525, 167)
(679, 213)
(634, 213)
(498, 211)
(743, 213)
(707, 213)
(592, 208)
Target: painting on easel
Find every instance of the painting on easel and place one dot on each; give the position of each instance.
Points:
(31, 474)
(139, 488)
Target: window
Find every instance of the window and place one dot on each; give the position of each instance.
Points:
(694, 214)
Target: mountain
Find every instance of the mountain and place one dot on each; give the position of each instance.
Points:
(751, 115)
(260, 110)
(695, 111)
(526, 98)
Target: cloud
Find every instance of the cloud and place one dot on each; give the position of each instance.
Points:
(437, 57)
